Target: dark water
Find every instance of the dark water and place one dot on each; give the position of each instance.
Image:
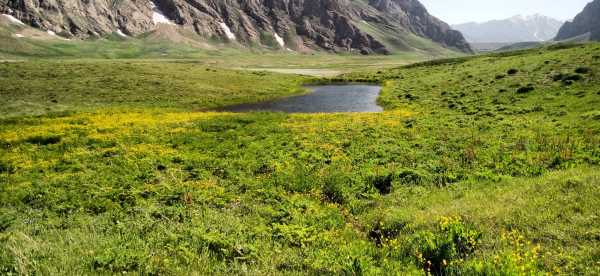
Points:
(322, 99)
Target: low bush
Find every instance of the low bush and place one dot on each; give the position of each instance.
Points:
(383, 183)
(582, 70)
(525, 89)
(382, 231)
(43, 140)
(411, 177)
(438, 252)
(334, 190)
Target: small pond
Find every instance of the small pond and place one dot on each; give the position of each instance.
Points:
(334, 98)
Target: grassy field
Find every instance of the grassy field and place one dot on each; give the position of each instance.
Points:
(485, 165)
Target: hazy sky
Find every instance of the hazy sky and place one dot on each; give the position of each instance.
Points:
(461, 11)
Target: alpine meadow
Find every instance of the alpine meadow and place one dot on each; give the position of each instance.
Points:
(122, 151)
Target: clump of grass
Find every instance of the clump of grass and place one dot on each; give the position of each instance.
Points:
(334, 190)
(525, 89)
(582, 70)
(383, 232)
(411, 177)
(43, 140)
(512, 71)
(567, 79)
(383, 183)
(592, 115)
(438, 252)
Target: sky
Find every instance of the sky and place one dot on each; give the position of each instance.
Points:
(461, 11)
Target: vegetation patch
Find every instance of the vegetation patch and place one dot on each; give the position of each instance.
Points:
(525, 89)
(43, 140)
(440, 252)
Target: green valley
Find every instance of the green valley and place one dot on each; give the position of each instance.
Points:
(479, 165)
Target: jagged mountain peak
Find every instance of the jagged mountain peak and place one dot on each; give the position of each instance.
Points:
(585, 26)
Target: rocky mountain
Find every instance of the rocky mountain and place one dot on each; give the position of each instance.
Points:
(586, 24)
(365, 26)
(511, 30)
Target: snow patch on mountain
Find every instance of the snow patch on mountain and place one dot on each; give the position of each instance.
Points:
(279, 40)
(230, 35)
(13, 19)
(120, 33)
(158, 17)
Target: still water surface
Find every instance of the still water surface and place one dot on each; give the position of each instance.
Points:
(322, 99)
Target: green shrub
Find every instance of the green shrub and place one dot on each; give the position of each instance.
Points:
(43, 140)
(582, 70)
(383, 183)
(525, 89)
(411, 177)
(439, 252)
(333, 191)
(382, 231)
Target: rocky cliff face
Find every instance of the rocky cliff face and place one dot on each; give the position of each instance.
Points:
(413, 16)
(333, 25)
(587, 23)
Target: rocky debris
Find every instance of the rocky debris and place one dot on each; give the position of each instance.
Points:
(587, 23)
(286, 24)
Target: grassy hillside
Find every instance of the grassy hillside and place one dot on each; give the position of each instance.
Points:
(483, 165)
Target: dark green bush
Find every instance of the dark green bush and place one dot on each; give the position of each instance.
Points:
(383, 231)
(333, 191)
(582, 70)
(525, 89)
(512, 71)
(436, 252)
(410, 177)
(43, 140)
(383, 183)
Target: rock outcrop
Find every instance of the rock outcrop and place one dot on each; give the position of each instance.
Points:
(333, 25)
(587, 24)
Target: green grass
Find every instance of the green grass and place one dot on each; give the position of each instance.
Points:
(35, 88)
(460, 175)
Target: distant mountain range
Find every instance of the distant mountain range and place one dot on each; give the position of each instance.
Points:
(511, 30)
(585, 26)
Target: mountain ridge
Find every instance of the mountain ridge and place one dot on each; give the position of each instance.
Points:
(300, 25)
